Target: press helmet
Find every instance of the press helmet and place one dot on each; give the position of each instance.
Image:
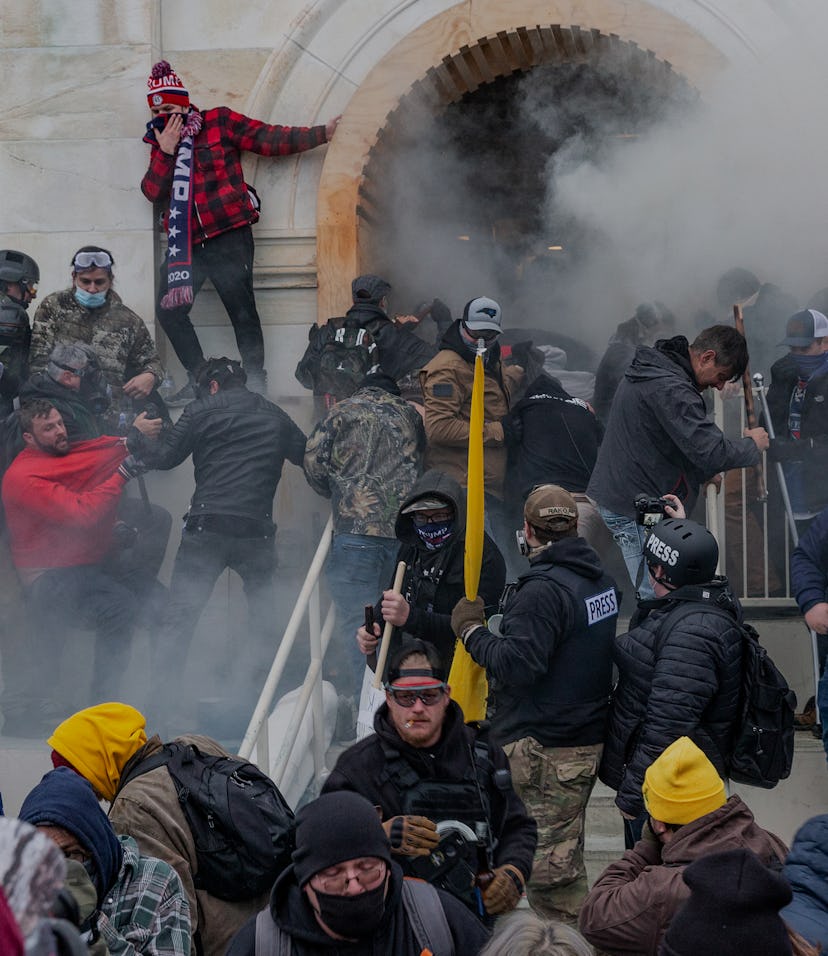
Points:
(687, 552)
(18, 267)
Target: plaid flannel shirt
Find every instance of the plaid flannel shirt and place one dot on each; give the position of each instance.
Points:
(220, 198)
(146, 911)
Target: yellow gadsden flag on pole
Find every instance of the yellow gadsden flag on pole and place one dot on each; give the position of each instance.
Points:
(467, 679)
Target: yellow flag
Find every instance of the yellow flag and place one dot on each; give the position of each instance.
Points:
(468, 680)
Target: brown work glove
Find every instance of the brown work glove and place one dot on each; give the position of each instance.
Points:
(411, 836)
(467, 614)
(505, 890)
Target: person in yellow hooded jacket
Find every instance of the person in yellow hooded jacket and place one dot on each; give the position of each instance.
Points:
(104, 744)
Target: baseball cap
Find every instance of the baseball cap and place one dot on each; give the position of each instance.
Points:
(427, 504)
(805, 326)
(551, 508)
(369, 288)
(483, 315)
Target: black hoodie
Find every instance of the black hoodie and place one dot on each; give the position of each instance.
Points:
(290, 909)
(433, 581)
(659, 438)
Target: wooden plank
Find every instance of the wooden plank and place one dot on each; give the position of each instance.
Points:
(518, 53)
(463, 78)
(484, 67)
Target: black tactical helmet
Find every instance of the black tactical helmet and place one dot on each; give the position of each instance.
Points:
(687, 552)
(18, 267)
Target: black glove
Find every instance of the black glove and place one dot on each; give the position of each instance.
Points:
(131, 468)
(512, 430)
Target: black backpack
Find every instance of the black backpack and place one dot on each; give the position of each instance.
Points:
(763, 740)
(241, 825)
(338, 357)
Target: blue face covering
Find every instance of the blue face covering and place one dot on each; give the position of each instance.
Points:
(435, 534)
(90, 300)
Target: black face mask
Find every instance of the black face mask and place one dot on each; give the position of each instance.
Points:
(344, 914)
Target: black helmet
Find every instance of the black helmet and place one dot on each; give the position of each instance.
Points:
(18, 267)
(687, 552)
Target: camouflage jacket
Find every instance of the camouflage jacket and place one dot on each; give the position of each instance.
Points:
(365, 455)
(117, 334)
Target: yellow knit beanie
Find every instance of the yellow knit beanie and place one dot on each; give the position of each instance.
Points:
(682, 785)
(98, 741)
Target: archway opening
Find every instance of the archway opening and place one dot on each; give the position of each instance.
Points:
(459, 195)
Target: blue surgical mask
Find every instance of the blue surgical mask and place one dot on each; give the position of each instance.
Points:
(90, 300)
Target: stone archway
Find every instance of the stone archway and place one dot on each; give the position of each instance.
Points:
(648, 37)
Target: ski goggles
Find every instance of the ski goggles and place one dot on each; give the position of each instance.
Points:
(92, 260)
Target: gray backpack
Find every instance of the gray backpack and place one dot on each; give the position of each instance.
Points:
(422, 905)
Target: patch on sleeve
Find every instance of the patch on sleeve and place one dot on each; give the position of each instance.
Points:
(601, 606)
(444, 390)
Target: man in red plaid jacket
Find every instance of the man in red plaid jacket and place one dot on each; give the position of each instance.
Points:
(195, 171)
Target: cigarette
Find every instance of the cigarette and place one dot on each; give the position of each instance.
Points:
(408, 724)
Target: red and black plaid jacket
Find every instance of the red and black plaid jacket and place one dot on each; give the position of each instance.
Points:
(220, 198)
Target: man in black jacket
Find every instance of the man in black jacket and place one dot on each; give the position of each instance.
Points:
(553, 438)
(424, 767)
(431, 529)
(344, 893)
(550, 674)
(679, 666)
(659, 438)
(239, 442)
(796, 401)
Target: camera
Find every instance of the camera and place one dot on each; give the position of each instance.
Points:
(649, 511)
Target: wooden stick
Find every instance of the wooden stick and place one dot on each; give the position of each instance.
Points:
(389, 627)
(750, 412)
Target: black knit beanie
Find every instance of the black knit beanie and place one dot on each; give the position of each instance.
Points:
(335, 827)
(733, 909)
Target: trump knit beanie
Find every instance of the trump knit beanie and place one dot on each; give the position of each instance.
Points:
(682, 785)
(65, 799)
(165, 87)
(733, 909)
(98, 741)
(335, 827)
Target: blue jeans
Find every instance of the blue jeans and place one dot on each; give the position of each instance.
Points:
(822, 704)
(359, 568)
(629, 536)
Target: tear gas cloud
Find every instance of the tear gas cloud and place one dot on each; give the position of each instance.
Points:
(733, 179)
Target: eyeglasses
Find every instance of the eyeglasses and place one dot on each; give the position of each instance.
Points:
(408, 696)
(89, 260)
(421, 518)
(335, 879)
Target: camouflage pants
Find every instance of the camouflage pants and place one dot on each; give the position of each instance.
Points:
(555, 784)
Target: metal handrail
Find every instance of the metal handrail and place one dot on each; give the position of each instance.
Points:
(256, 735)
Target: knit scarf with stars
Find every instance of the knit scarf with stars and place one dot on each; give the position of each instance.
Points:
(179, 245)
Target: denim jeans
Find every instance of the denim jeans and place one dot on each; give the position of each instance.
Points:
(629, 535)
(359, 568)
(822, 704)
